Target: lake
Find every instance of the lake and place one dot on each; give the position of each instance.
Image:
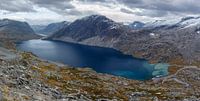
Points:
(102, 60)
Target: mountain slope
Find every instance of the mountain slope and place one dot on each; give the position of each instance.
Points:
(51, 28)
(179, 43)
(175, 41)
(16, 30)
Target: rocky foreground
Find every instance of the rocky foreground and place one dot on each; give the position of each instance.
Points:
(26, 78)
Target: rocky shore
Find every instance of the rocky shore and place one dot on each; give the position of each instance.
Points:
(28, 78)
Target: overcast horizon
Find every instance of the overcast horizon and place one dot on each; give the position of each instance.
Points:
(48, 11)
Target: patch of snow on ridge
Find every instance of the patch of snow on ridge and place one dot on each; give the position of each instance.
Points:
(153, 35)
(115, 26)
(190, 22)
(184, 22)
(159, 23)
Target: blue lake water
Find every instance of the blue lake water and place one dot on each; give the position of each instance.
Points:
(103, 60)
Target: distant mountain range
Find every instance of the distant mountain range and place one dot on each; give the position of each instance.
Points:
(159, 41)
(49, 29)
(16, 30)
(38, 28)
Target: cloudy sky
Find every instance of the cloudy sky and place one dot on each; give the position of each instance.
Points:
(47, 11)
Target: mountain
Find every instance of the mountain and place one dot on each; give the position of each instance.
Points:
(136, 25)
(96, 28)
(16, 30)
(171, 41)
(49, 29)
(38, 28)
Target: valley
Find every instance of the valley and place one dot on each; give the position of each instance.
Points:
(25, 76)
(49, 81)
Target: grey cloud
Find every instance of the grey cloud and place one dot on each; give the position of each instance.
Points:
(56, 4)
(94, 0)
(64, 7)
(126, 11)
(151, 8)
(176, 6)
(152, 13)
(61, 7)
(156, 8)
(131, 2)
(167, 6)
(16, 6)
(73, 12)
(27, 5)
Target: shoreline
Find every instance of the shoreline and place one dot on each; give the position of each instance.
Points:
(57, 83)
(155, 69)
